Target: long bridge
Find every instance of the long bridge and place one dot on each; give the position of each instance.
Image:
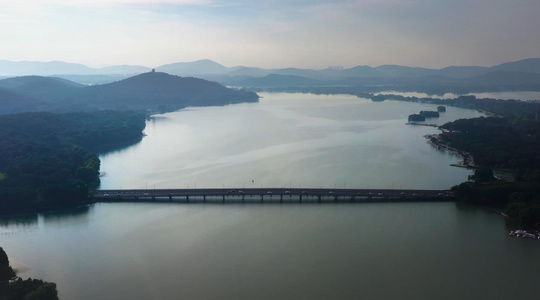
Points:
(271, 195)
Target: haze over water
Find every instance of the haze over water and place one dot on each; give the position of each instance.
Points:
(288, 140)
(141, 251)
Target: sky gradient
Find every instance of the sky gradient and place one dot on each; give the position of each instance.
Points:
(271, 34)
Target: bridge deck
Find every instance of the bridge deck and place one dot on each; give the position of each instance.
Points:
(272, 195)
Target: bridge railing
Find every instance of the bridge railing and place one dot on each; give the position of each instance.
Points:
(269, 194)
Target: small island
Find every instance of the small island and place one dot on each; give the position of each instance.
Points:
(423, 115)
(417, 118)
(430, 114)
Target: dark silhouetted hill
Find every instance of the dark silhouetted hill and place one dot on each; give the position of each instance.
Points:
(16, 82)
(11, 102)
(43, 88)
(161, 91)
(156, 91)
(449, 79)
(529, 65)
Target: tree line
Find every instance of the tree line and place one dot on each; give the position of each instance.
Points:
(509, 142)
(47, 159)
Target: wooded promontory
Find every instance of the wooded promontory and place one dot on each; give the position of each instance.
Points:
(47, 159)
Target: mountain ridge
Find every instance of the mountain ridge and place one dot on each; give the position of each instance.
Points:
(517, 75)
(148, 91)
(209, 67)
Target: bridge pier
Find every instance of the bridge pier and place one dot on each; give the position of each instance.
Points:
(314, 195)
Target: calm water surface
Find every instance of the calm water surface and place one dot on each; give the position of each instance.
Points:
(365, 251)
(268, 251)
(288, 140)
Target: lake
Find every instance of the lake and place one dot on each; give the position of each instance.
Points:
(288, 140)
(271, 251)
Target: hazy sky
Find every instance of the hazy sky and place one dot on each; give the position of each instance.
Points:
(271, 34)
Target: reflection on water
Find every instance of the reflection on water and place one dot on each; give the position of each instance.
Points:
(67, 217)
(19, 220)
(14, 224)
(258, 251)
(22, 223)
(288, 140)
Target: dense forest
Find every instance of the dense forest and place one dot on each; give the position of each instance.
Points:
(6, 272)
(506, 143)
(46, 159)
(509, 143)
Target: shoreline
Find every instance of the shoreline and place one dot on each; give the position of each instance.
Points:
(467, 158)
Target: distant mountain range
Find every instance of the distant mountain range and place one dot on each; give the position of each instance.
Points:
(10, 68)
(152, 90)
(208, 67)
(523, 74)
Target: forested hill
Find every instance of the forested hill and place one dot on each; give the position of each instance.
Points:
(153, 91)
(45, 159)
(162, 91)
(11, 102)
